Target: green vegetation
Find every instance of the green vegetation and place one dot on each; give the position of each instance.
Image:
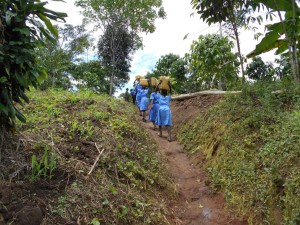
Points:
(67, 132)
(122, 23)
(44, 166)
(212, 64)
(24, 25)
(251, 143)
(173, 66)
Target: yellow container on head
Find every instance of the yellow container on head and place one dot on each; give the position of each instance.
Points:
(164, 83)
(137, 77)
(153, 81)
(144, 82)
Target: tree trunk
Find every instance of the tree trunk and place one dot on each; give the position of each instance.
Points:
(295, 49)
(111, 82)
(236, 34)
(292, 48)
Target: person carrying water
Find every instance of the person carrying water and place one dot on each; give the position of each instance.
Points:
(126, 96)
(164, 114)
(154, 106)
(138, 88)
(144, 101)
(133, 93)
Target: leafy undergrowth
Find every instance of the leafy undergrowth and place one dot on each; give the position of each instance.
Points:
(50, 167)
(251, 142)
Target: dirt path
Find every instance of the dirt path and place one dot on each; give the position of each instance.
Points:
(196, 205)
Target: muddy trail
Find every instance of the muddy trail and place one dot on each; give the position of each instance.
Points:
(196, 203)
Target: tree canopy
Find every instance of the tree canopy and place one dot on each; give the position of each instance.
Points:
(211, 63)
(283, 35)
(259, 70)
(116, 17)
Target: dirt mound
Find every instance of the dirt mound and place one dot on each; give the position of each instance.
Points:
(185, 110)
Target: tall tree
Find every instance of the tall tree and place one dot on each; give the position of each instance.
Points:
(133, 15)
(114, 48)
(211, 63)
(25, 25)
(231, 12)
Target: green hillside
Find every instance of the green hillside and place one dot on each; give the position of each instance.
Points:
(63, 137)
(251, 142)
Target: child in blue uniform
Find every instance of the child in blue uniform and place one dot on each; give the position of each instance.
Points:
(132, 93)
(154, 107)
(138, 88)
(164, 114)
(144, 102)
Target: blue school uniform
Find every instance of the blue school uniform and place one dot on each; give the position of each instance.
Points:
(144, 99)
(138, 95)
(153, 111)
(164, 114)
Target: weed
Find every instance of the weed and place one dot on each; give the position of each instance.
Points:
(62, 205)
(43, 167)
(95, 221)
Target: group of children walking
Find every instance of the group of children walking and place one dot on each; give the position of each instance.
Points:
(160, 112)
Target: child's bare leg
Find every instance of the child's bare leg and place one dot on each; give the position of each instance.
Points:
(154, 125)
(144, 115)
(160, 131)
(169, 133)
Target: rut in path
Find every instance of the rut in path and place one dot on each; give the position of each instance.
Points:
(195, 205)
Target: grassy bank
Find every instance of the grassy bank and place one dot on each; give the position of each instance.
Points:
(83, 158)
(251, 142)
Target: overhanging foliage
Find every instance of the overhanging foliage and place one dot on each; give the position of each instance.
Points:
(26, 25)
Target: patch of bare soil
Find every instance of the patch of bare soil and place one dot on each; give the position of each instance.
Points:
(196, 203)
(185, 110)
(27, 202)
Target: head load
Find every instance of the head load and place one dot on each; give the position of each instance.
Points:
(138, 77)
(164, 83)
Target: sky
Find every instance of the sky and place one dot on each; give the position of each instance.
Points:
(168, 36)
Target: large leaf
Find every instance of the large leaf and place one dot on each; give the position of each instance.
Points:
(3, 108)
(23, 96)
(20, 116)
(8, 17)
(283, 47)
(281, 5)
(3, 80)
(49, 25)
(266, 48)
(269, 42)
(277, 27)
(42, 75)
